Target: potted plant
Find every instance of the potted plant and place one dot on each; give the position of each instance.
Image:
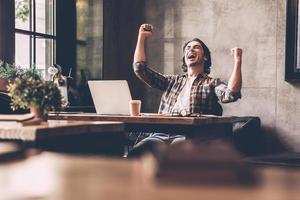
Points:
(8, 72)
(38, 95)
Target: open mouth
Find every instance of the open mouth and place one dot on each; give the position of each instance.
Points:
(191, 56)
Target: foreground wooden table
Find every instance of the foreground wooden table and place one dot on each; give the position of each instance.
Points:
(192, 126)
(64, 177)
(11, 130)
(67, 135)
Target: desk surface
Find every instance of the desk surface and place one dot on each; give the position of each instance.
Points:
(143, 119)
(52, 128)
(64, 177)
(210, 125)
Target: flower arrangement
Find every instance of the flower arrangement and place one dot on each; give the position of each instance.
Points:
(35, 93)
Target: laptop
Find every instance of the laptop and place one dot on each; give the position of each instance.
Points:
(110, 97)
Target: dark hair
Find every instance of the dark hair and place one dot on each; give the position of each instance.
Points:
(207, 63)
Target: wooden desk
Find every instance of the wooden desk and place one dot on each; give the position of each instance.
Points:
(62, 177)
(66, 135)
(143, 119)
(192, 126)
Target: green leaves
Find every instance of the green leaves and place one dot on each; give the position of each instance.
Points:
(30, 92)
(22, 9)
(11, 71)
(8, 71)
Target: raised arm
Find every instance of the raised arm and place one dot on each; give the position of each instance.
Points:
(143, 72)
(145, 31)
(235, 81)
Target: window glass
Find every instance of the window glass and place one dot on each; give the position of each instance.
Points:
(44, 16)
(22, 50)
(81, 59)
(22, 13)
(35, 38)
(89, 38)
(44, 54)
(81, 12)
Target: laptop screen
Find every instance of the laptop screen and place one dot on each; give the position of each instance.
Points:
(110, 97)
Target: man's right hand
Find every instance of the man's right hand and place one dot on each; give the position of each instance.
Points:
(146, 30)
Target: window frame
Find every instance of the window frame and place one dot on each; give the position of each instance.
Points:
(34, 35)
(292, 72)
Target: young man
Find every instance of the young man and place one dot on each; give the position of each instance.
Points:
(191, 93)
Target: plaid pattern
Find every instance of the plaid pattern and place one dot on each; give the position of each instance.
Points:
(206, 92)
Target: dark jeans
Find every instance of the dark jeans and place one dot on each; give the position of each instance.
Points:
(247, 138)
(151, 142)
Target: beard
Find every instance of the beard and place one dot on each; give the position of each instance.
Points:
(194, 64)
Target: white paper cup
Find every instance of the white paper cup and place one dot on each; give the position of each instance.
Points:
(135, 107)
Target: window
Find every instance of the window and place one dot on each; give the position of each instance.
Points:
(292, 62)
(89, 14)
(35, 33)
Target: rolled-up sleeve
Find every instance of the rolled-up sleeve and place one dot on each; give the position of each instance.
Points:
(151, 77)
(224, 94)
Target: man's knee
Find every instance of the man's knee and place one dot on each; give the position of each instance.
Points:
(146, 145)
(178, 140)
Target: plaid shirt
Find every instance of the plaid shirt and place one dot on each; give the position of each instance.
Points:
(205, 91)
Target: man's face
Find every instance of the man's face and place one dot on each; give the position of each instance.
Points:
(194, 54)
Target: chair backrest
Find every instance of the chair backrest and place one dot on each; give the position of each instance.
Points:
(247, 134)
(5, 108)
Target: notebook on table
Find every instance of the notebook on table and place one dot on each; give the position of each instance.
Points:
(110, 97)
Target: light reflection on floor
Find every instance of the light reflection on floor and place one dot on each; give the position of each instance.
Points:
(13, 181)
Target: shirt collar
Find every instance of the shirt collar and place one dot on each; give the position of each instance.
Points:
(199, 76)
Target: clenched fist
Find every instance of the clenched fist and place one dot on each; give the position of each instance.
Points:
(146, 30)
(237, 53)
